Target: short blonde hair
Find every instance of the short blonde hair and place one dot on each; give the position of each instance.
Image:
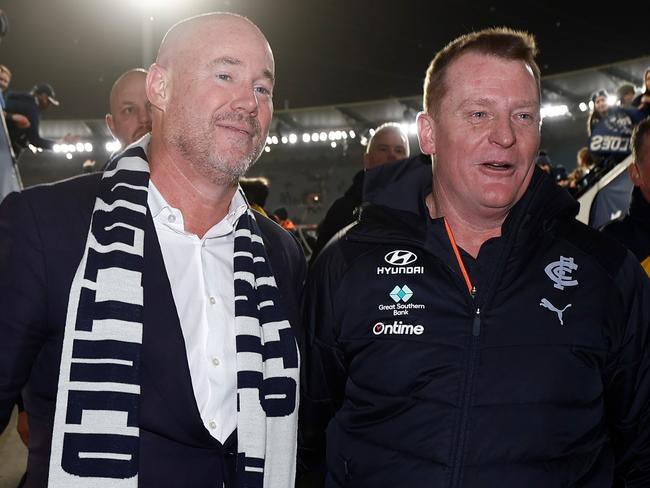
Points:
(500, 42)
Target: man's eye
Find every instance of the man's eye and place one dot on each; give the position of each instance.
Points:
(479, 115)
(526, 117)
(224, 77)
(263, 90)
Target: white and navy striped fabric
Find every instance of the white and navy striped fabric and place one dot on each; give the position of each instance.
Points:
(95, 439)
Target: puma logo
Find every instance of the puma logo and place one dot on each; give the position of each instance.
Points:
(546, 304)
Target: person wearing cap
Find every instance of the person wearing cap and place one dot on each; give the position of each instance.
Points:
(30, 105)
(609, 128)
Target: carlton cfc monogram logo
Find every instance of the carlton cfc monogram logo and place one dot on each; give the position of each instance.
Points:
(560, 272)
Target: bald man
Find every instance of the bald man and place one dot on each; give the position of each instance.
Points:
(149, 319)
(130, 111)
(388, 144)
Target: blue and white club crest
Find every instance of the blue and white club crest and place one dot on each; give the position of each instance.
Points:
(560, 272)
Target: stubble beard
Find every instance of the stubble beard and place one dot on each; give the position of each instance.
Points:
(222, 164)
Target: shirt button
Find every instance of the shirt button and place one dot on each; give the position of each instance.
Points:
(216, 361)
(212, 424)
(213, 300)
(171, 219)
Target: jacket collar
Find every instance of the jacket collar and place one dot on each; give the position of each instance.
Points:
(394, 196)
(639, 207)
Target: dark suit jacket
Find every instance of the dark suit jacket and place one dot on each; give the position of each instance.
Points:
(42, 238)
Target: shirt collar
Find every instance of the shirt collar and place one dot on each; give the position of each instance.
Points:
(160, 209)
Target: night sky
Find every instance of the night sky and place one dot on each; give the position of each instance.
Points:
(327, 52)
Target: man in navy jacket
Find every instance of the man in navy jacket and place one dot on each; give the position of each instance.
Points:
(468, 331)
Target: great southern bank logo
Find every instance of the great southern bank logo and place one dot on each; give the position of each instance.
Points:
(397, 328)
(400, 263)
(401, 294)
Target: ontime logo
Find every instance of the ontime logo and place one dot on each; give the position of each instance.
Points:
(397, 327)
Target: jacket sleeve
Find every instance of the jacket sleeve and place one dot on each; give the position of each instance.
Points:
(627, 380)
(34, 135)
(22, 299)
(324, 369)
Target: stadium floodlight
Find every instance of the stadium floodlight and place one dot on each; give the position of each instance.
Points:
(554, 111)
(112, 146)
(333, 144)
(293, 138)
(583, 107)
(88, 147)
(352, 134)
(284, 140)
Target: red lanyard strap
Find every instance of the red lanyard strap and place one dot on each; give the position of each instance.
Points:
(461, 265)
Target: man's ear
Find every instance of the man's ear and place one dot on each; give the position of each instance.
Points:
(426, 133)
(157, 85)
(365, 159)
(110, 124)
(635, 176)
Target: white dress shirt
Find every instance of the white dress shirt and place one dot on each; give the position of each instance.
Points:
(200, 271)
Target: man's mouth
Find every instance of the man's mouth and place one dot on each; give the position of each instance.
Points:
(242, 129)
(497, 165)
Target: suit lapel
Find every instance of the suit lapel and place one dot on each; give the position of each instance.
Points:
(165, 369)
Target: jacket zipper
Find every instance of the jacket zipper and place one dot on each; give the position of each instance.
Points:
(468, 386)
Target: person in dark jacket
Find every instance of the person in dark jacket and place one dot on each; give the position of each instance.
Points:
(30, 105)
(469, 332)
(633, 230)
(643, 98)
(149, 316)
(388, 144)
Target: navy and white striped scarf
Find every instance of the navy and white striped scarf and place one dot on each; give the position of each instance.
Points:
(95, 439)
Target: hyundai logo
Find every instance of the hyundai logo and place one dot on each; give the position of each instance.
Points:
(400, 258)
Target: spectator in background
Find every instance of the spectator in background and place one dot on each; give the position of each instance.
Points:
(576, 180)
(5, 79)
(388, 144)
(544, 162)
(281, 216)
(30, 104)
(643, 99)
(633, 230)
(610, 128)
(625, 94)
(130, 111)
(256, 191)
(599, 110)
